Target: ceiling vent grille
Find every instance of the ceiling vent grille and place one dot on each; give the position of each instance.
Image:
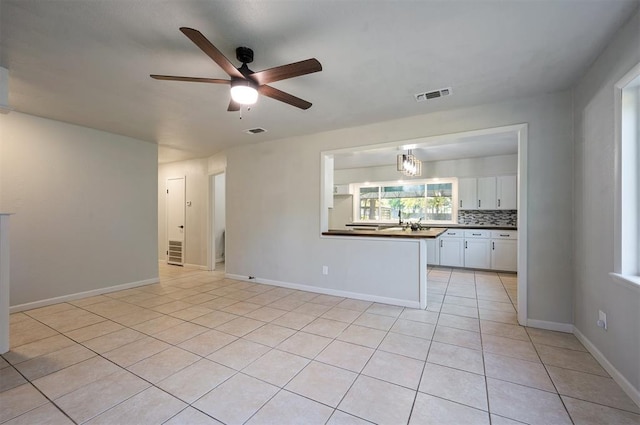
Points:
(256, 130)
(421, 97)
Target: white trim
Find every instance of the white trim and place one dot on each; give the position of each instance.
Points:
(523, 137)
(327, 291)
(211, 240)
(444, 139)
(630, 390)
(550, 326)
(78, 295)
(631, 282)
(633, 73)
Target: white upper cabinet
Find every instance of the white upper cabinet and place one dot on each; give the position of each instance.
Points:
(468, 193)
(487, 199)
(506, 192)
(487, 193)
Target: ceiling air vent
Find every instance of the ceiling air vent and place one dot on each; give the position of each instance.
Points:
(421, 97)
(257, 130)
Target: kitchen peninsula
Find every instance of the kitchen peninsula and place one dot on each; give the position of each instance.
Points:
(485, 247)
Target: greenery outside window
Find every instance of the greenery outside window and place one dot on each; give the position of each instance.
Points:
(431, 201)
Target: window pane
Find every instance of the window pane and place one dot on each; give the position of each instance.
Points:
(439, 201)
(369, 203)
(409, 200)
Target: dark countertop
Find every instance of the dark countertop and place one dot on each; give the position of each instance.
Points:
(440, 226)
(432, 233)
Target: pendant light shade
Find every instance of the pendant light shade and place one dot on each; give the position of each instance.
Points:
(409, 165)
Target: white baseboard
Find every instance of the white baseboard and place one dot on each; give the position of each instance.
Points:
(328, 291)
(220, 260)
(632, 392)
(550, 326)
(78, 295)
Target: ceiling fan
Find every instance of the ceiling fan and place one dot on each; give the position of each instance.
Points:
(246, 84)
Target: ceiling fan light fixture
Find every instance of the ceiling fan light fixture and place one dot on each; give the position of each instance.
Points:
(244, 92)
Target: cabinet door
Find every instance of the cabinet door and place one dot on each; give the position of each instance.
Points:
(452, 252)
(477, 253)
(433, 252)
(487, 193)
(468, 194)
(506, 188)
(504, 254)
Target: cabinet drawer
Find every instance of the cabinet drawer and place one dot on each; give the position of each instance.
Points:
(477, 234)
(504, 234)
(452, 233)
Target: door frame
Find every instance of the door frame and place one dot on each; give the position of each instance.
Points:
(211, 202)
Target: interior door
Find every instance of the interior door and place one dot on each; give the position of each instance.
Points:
(175, 220)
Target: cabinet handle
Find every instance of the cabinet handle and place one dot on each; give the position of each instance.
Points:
(494, 246)
(477, 234)
(465, 245)
(498, 202)
(504, 235)
(440, 243)
(460, 203)
(479, 203)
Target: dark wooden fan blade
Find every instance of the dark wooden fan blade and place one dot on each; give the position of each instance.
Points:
(287, 71)
(233, 106)
(211, 51)
(190, 79)
(284, 97)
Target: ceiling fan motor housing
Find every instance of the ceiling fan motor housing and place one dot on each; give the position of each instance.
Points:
(244, 54)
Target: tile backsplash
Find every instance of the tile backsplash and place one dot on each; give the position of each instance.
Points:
(488, 217)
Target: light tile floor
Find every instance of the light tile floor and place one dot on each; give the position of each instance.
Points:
(197, 348)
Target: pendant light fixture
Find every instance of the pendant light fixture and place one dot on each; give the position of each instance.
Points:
(409, 165)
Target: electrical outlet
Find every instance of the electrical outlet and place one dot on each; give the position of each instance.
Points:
(325, 270)
(602, 320)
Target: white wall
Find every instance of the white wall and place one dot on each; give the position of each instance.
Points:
(498, 165)
(85, 207)
(594, 188)
(274, 192)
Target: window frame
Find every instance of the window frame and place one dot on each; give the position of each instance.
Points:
(626, 270)
(454, 198)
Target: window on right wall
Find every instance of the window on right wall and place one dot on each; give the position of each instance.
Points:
(627, 256)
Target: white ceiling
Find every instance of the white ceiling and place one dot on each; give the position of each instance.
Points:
(499, 143)
(88, 61)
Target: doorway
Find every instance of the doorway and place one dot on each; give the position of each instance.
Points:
(217, 222)
(175, 220)
(467, 140)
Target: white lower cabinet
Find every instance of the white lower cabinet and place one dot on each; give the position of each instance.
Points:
(477, 249)
(452, 248)
(504, 250)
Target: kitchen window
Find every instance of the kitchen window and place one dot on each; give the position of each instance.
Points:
(627, 249)
(431, 201)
